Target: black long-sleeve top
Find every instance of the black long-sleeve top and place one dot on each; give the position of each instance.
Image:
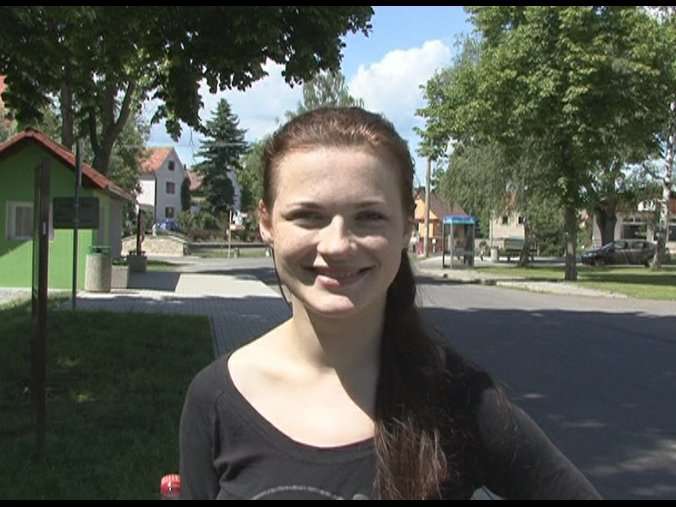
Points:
(229, 451)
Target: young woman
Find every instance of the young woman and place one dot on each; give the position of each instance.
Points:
(351, 398)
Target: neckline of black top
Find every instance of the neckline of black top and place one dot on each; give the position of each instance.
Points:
(246, 411)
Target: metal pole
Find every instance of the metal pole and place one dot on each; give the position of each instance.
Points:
(426, 241)
(229, 231)
(76, 221)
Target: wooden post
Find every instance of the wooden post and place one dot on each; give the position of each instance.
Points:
(39, 304)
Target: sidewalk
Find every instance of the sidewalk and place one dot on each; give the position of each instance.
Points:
(432, 267)
(239, 307)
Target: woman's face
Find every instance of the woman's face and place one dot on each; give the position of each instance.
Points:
(337, 228)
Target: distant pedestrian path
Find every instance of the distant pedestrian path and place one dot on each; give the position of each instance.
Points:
(239, 306)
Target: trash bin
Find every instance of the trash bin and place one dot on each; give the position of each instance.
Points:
(99, 269)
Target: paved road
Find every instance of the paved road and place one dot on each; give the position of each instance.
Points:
(599, 375)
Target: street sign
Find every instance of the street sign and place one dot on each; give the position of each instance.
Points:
(64, 213)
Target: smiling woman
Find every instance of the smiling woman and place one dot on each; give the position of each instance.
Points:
(351, 397)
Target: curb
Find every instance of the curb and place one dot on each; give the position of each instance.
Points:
(524, 284)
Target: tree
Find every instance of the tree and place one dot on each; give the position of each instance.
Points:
(250, 176)
(327, 89)
(222, 151)
(666, 17)
(578, 82)
(614, 187)
(99, 60)
(487, 184)
(185, 194)
(7, 125)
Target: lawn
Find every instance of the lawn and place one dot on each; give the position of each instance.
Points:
(223, 252)
(114, 398)
(638, 282)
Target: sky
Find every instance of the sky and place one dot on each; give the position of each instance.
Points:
(406, 46)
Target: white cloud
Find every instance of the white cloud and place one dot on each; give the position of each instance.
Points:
(259, 108)
(392, 87)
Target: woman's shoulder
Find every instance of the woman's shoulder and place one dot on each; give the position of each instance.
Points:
(210, 382)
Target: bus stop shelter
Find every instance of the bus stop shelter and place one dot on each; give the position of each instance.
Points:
(457, 236)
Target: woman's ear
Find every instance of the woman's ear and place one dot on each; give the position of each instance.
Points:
(408, 230)
(265, 223)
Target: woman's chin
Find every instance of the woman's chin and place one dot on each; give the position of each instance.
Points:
(332, 307)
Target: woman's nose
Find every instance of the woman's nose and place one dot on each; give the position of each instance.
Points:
(335, 238)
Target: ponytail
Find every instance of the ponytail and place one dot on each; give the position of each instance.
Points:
(411, 463)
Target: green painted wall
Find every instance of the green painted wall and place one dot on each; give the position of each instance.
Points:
(16, 175)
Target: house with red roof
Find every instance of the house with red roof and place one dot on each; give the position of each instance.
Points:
(438, 210)
(162, 175)
(19, 155)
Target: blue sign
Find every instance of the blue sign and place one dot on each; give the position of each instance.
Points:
(459, 219)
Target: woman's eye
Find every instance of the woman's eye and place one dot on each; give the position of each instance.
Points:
(306, 216)
(371, 216)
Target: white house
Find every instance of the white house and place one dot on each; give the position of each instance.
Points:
(161, 177)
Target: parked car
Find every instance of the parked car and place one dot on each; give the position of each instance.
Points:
(623, 251)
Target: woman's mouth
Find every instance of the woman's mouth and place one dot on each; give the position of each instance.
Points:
(336, 278)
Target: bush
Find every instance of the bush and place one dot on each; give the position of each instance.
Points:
(205, 220)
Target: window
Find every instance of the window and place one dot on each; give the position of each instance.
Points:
(19, 224)
(169, 212)
(171, 165)
(505, 220)
(634, 231)
(171, 187)
(520, 220)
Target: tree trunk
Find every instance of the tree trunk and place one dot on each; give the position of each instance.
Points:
(607, 219)
(525, 249)
(663, 223)
(570, 214)
(67, 133)
(111, 128)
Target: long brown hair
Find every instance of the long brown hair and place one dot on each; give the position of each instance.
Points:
(413, 428)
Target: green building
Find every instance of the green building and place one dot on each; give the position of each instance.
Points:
(18, 158)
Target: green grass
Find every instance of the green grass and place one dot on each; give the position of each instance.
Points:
(155, 265)
(223, 252)
(638, 282)
(114, 397)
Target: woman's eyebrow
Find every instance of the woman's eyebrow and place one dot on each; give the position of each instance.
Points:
(314, 205)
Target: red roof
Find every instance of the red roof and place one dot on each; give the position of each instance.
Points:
(92, 177)
(156, 157)
(438, 206)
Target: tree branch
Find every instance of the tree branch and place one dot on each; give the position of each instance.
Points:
(93, 136)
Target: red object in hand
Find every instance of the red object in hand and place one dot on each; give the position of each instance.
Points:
(170, 486)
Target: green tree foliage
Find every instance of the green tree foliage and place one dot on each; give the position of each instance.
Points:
(250, 176)
(488, 184)
(580, 83)
(222, 151)
(100, 60)
(7, 124)
(327, 89)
